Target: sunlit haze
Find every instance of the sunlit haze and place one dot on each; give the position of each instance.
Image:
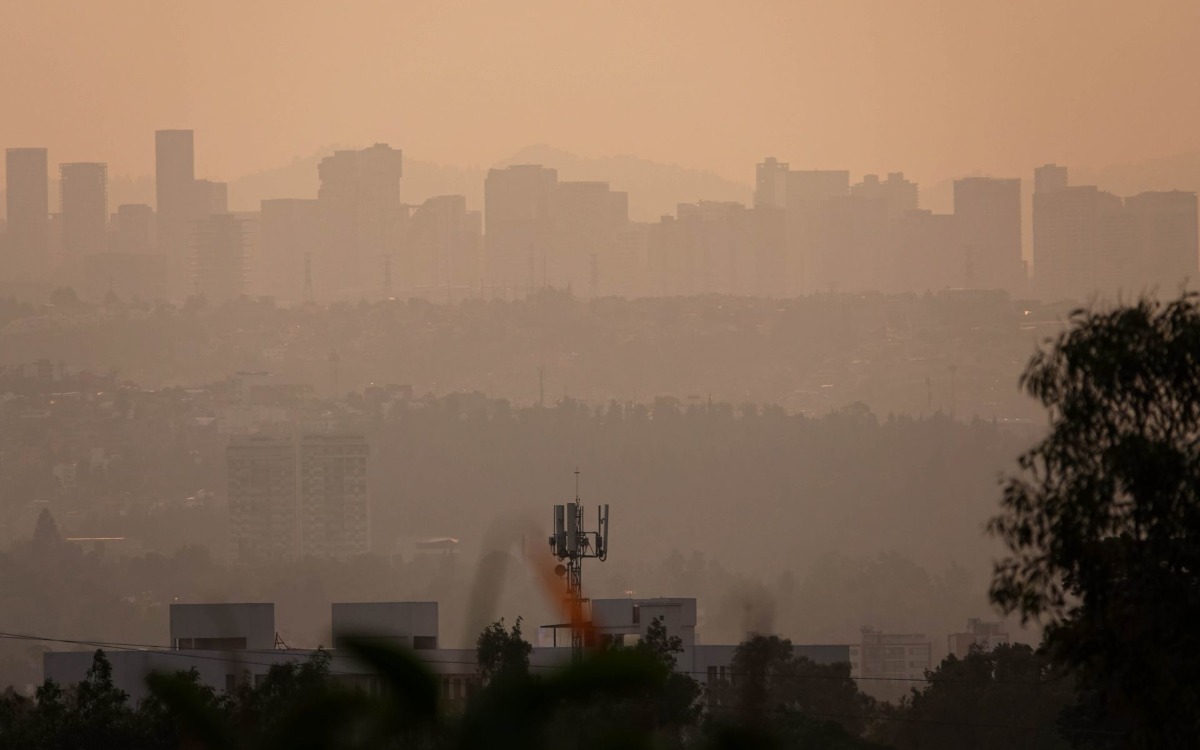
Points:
(935, 88)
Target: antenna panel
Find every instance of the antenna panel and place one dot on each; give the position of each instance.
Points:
(572, 527)
(560, 530)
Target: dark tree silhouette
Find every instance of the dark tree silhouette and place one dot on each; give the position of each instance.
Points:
(1102, 522)
(502, 654)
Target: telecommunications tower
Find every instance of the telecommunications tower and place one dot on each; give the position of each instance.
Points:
(571, 544)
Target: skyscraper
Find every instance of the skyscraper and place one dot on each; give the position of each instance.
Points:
(518, 221)
(897, 194)
(988, 212)
(83, 189)
(175, 191)
(1081, 239)
(362, 218)
(770, 183)
(28, 213)
(808, 191)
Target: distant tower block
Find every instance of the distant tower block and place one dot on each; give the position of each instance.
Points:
(572, 543)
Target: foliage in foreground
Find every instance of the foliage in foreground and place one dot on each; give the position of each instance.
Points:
(1102, 522)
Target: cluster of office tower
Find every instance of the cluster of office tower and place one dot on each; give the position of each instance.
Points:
(807, 231)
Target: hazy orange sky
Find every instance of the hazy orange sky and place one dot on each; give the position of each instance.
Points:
(936, 88)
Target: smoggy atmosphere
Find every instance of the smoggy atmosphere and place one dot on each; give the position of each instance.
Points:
(610, 374)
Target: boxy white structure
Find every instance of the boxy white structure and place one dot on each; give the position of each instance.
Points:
(409, 624)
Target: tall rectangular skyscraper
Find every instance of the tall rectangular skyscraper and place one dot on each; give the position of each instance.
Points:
(518, 206)
(28, 213)
(175, 192)
(83, 191)
(988, 212)
(362, 218)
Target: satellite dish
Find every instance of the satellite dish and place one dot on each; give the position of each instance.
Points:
(560, 570)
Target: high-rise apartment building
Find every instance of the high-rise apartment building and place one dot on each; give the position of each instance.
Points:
(988, 212)
(304, 495)
(175, 192)
(897, 194)
(1049, 178)
(83, 190)
(334, 510)
(264, 509)
(1082, 243)
(807, 195)
(28, 224)
(770, 183)
(362, 219)
(518, 207)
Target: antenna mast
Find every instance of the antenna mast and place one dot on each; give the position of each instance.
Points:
(573, 544)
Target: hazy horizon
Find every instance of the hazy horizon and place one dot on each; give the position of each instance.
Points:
(936, 89)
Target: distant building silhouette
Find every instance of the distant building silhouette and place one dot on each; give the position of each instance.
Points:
(1049, 178)
(175, 194)
(897, 194)
(362, 218)
(770, 184)
(988, 212)
(884, 663)
(1082, 239)
(979, 635)
(806, 196)
(518, 207)
(28, 224)
(1087, 241)
(83, 190)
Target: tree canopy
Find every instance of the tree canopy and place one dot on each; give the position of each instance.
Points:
(1102, 520)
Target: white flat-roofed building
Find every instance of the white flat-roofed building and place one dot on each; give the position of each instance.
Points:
(409, 624)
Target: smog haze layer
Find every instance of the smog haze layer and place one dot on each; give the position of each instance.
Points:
(938, 88)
